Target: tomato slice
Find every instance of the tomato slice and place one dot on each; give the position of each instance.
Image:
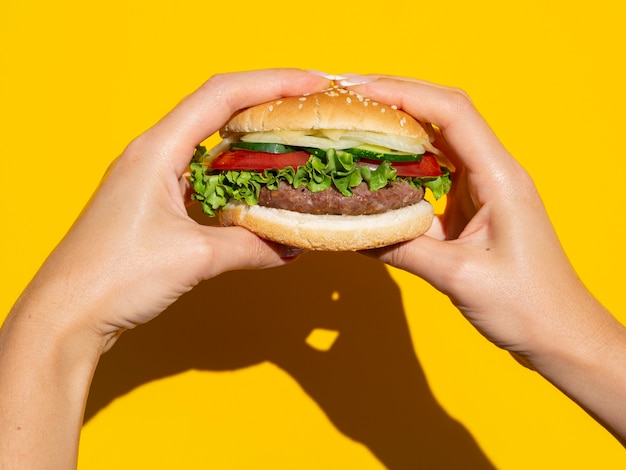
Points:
(427, 167)
(258, 161)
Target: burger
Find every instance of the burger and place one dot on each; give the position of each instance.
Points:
(332, 171)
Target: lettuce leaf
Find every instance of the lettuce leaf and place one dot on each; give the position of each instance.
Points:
(334, 168)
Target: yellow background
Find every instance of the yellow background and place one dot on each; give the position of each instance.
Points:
(235, 380)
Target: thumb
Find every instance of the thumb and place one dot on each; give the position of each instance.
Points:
(232, 248)
(431, 259)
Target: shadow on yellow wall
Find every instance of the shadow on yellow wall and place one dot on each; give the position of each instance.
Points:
(369, 382)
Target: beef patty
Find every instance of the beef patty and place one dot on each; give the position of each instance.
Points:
(331, 201)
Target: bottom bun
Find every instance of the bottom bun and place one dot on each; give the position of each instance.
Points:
(331, 232)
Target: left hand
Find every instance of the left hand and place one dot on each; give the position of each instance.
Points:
(134, 250)
(131, 253)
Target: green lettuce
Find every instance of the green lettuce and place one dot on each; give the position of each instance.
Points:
(323, 170)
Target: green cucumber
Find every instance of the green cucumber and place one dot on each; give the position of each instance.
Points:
(274, 148)
(372, 152)
(261, 147)
(314, 151)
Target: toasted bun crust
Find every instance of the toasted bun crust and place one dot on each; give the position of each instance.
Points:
(335, 108)
(331, 232)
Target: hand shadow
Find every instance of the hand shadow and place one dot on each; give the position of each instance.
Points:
(369, 383)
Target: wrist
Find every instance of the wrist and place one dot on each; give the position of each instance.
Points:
(573, 331)
(64, 303)
(584, 358)
(46, 370)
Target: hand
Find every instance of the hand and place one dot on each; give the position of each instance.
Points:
(494, 252)
(134, 250)
(131, 253)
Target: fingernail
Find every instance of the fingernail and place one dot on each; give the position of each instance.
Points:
(351, 79)
(290, 251)
(329, 76)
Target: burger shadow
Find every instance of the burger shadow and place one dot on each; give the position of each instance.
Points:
(369, 381)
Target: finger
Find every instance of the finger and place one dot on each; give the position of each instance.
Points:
(440, 142)
(207, 109)
(425, 257)
(235, 248)
(451, 110)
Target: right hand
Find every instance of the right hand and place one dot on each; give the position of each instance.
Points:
(494, 251)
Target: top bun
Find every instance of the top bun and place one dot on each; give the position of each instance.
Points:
(334, 108)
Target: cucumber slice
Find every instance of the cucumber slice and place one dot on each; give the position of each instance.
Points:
(373, 152)
(261, 147)
(314, 151)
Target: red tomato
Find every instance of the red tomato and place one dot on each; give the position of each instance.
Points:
(258, 161)
(427, 167)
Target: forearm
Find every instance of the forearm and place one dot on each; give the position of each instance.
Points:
(45, 372)
(586, 360)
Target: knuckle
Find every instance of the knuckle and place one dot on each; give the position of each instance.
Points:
(261, 255)
(459, 101)
(459, 272)
(398, 255)
(205, 247)
(216, 81)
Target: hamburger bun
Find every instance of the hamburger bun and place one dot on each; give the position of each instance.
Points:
(333, 109)
(329, 232)
(332, 119)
